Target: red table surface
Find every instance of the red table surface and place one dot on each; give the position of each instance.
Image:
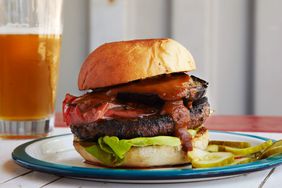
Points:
(228, 123)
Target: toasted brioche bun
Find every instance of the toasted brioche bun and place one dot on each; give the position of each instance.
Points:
(121, 62)
(151, 156)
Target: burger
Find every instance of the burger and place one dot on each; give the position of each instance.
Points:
(141, 108)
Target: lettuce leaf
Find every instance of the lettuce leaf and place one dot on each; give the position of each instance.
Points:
(111, 151)
(101, 155)
(119, 147)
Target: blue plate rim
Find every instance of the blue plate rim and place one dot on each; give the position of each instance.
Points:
(24, 159)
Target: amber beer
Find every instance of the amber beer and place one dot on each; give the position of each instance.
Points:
(28, 75)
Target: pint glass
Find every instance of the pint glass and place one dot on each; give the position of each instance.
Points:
(30, 40)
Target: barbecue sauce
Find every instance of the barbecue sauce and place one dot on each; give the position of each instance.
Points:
(168, 88)
(181, 117)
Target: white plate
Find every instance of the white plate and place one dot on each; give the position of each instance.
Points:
(56, 155)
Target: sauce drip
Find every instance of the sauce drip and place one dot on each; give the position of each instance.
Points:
(181, 116)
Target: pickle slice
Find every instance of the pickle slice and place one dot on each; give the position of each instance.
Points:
(235, 144)
(277, 143)
(242, 160)
(215, 159)
(213, 148)
(272, 152)
(197, 154)
(274, 149)
(249, 150)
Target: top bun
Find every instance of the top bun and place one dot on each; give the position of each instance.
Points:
(121, 62)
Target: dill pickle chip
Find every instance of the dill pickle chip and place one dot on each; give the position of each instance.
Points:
(242, 160)
(274, 149)
(213, 148)
(235, 144)
(215, 159)
(197, 154)
(277, 143)
(274, 145)
(249, 150)
(272, 152)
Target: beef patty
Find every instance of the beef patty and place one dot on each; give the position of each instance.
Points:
(148, 126)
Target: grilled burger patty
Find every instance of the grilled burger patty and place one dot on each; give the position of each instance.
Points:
(148, 126)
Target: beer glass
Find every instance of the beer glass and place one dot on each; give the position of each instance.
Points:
(30, 40)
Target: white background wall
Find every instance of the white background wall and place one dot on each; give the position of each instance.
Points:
(236, 43)
(268, 57)
(74, 47)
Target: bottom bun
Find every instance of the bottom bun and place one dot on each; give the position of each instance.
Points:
(151, 156)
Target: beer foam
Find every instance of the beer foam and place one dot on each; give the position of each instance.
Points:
(29, 30)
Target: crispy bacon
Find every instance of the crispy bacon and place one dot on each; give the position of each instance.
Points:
(78, 110)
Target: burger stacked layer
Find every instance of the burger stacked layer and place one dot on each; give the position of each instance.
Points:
(128, 124)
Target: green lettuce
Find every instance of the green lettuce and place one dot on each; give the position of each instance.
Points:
(101, 155)
(111, 150)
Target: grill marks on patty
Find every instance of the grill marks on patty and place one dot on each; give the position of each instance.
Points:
(126, 128)
(155, 125)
